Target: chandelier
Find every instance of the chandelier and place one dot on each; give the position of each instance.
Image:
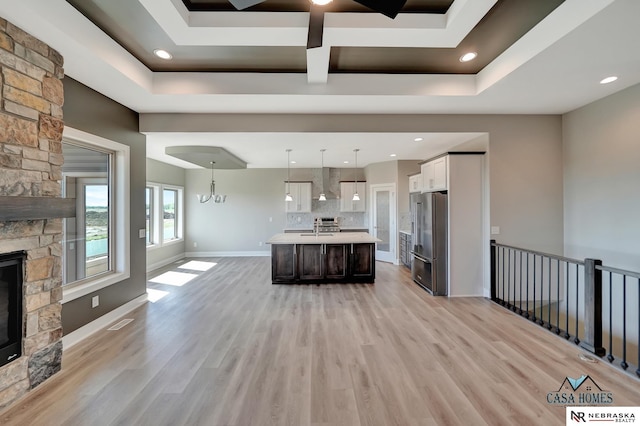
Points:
(212, 196)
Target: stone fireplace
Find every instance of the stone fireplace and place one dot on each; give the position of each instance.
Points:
(30, 173)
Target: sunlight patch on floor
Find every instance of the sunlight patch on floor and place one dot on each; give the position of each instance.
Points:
(177, 279)
(196, 265)
(154, 295)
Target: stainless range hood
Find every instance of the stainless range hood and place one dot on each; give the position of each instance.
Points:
(326, 179)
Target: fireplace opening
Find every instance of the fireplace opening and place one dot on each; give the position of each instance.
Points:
(11, 277)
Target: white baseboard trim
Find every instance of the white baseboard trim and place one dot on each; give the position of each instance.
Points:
(165, 262)
(71, 339)
(227, 253)
(466, 295)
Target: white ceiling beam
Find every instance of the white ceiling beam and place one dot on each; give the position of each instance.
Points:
(179, 83)
(318, 64)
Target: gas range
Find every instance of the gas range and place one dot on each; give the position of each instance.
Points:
(326, 224)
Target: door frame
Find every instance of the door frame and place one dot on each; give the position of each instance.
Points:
(391, 255)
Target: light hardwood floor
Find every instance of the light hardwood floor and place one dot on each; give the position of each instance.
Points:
(229, 348)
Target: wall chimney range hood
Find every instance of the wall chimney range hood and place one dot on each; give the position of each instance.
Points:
(326, 179)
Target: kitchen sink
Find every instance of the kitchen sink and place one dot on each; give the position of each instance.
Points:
(322, 234)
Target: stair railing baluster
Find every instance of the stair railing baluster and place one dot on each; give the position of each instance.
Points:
(610, 357)
(541, 319)
(576, 339)
(509, 278)
(557, 296)
(638, 369)
(526, 315)
(534, 289)
(549, 304)
(502, 256)
(567, 287)
(624, 364)
(520, 309)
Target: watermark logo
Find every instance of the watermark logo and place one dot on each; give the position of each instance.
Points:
(581, 391)
(598, 415)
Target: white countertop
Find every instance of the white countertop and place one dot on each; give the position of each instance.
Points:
(332, 238)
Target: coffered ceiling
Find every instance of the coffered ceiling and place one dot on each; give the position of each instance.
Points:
(534, 57)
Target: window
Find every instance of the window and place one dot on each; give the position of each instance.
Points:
(95, 252)
(149, 215)
(169, 222)
(87, 178)
(164, 214)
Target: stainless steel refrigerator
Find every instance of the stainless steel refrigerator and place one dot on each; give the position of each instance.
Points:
(429, 232)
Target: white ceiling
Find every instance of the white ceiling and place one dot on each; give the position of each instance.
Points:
(553, 69)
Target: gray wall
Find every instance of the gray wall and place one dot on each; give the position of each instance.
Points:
(89, 111)
(254, 196)
(602, 180)
(158, 172)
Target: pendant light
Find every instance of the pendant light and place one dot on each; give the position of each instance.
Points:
(212, 196)
(356, 197)
(288, 197)
(322, 197)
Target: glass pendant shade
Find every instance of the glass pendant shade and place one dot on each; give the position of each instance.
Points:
(356, 197)
(322, 197)
(288, 197)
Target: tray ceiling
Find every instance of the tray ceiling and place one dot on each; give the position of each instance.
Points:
(248, 82)
(132, 26)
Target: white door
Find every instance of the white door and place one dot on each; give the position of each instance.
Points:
(383, 220)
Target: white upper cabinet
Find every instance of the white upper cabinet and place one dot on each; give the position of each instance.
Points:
(434, 175)
(301, 194)
(347, 189)
(415, 183)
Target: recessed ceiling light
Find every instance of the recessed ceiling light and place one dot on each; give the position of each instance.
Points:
(321, 2)
(163, 54)
(392, 155)
(608, 79)
(418, 139)
(293, 161)
(346, 162)
(470, 56)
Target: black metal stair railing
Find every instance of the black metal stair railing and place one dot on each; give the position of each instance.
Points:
(619, 290)
(566, 297)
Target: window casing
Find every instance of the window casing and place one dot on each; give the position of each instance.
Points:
(96, 243)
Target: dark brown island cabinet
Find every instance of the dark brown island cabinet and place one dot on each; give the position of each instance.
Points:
(322, 261)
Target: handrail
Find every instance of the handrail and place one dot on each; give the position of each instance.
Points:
(618, 271)
(539, 253)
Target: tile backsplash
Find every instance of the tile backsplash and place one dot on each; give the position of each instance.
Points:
(329, 208)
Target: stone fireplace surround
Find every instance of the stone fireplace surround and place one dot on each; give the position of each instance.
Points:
(31, 126)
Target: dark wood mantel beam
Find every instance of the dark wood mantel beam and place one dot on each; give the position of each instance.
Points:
(34, 208)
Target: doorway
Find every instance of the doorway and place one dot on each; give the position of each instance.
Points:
(383, 220)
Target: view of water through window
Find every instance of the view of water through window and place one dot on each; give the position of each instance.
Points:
(97, 220)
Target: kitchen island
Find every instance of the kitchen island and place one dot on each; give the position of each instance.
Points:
(347, 257)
